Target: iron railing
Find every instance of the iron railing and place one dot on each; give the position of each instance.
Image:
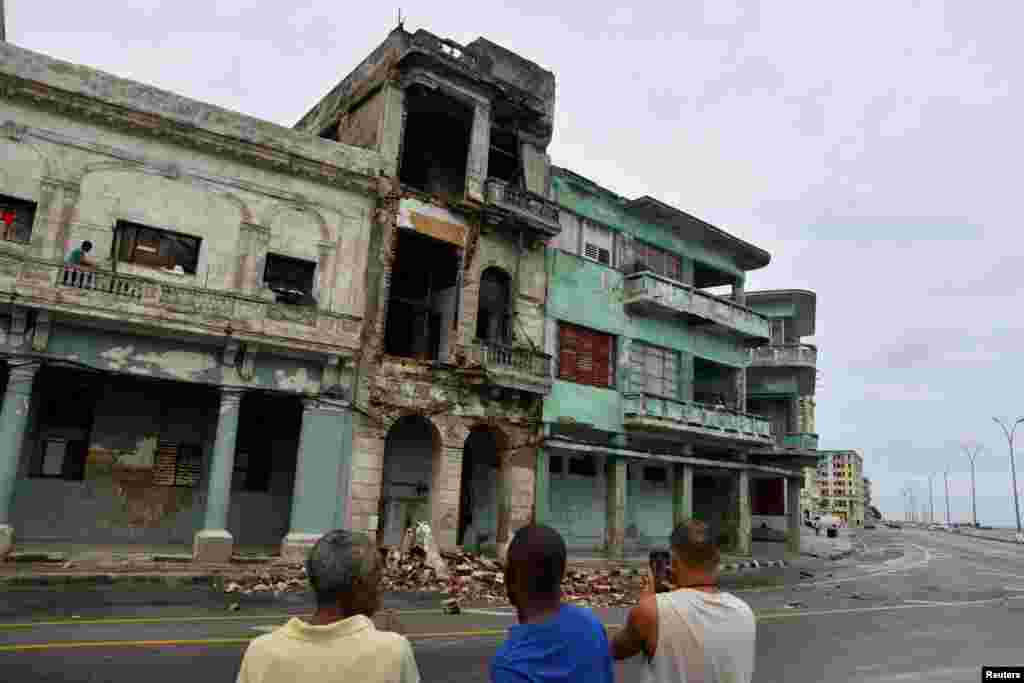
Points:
(527, 361)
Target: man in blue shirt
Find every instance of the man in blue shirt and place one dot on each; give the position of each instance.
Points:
(553, 643)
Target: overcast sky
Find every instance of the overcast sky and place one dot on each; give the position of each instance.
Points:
(873, 148)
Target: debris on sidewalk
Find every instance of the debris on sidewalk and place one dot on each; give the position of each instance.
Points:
(794, 605)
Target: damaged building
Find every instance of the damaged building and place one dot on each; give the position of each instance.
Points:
(189, 382)
(397, 310)
(649, 421)
(453, 373)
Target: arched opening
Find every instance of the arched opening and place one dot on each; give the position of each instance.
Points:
(412, 452)
(480, 509)
(494, 319)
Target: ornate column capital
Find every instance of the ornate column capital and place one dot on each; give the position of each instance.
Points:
(21, 374)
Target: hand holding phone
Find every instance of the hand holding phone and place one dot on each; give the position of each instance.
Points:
(661, 562)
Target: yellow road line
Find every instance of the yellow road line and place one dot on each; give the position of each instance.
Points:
(767, 616)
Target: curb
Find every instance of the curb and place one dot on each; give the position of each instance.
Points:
(991, 538)
(97, 580)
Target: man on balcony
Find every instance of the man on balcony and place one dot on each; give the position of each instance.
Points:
(78, 257)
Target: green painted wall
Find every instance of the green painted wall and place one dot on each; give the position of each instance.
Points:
(601, 408)
(578, 508)
(773, 309)
(649, 508)
(586, 293)
(609, 209)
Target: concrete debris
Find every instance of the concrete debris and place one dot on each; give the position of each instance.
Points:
(451, 606)
(232, 587)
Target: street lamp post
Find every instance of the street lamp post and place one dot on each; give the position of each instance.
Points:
(946, 477)
(972, 453)
(1008, 431)
(931, 499)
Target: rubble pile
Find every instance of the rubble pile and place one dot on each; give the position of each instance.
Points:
(418, 565)
(479, 580)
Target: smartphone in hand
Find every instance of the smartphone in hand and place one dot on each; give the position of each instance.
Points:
(661, 562)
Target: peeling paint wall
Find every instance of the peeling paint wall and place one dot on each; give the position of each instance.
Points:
(649, 507)
(578, 506)
(117, 501)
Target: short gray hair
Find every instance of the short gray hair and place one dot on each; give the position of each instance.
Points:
(337, 562)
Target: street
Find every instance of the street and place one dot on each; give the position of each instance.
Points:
(910, 605)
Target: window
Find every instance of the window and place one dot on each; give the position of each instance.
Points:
(177, 464)
(290, 279)
(583, 467)
(555, 464)
(421, 299)
(63, 459)
(777, 327)
(494, 319)
(596, 253)
(655, 475)
(638, 256)
(156, 248)
(597, 242)
(16, 218)
(654, 370)
(584, 356)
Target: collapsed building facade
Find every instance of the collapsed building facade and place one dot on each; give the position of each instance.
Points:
(453, 372)
(396, 311)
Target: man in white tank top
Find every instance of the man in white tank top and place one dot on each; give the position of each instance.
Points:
(692, 633)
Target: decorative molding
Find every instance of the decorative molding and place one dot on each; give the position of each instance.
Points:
(185, 135)
(13, 131)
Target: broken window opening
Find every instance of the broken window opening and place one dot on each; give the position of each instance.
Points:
(583, 467)
(16, 218)
(177, 464)
(421, 300)
(655, 475)
(494, 319)
(154, 248)
(503, 160)
(291, 279)
(714, 384)
(435, 145)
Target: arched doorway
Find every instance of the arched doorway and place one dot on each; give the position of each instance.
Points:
(494, 317)
(481, 513)
(412, 452)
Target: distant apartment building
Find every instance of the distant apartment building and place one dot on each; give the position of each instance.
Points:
(840, 477)
(867, 495)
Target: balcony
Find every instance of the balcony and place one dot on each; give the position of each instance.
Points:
(519, 206)
(804, 442)
(107, 295)
(517, 368)
(648, 292)
(649, 412)
(784, 356)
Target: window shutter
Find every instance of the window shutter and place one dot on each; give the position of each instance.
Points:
(567, 353)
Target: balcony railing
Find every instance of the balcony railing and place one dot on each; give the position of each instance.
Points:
(106, 294)
(539, 211)
(647, 411)
(785, 355)
(515, 367)
(650, 292)
(805, 441)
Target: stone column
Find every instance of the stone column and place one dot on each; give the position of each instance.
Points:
(795, 423)
(320, 494)
(479, 150)
(744, 521)
(616, 510)
(505, 485)
(542, 488)
(444, 498)
(13, 420)
(793, 520)
(738, 294)
(214, 543)
(682, 493)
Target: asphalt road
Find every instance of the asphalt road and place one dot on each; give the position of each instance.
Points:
(910, 606)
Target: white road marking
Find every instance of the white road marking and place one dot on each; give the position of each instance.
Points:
(906, 568)
(924, 602)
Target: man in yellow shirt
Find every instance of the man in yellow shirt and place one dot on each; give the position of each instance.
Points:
(339, 643)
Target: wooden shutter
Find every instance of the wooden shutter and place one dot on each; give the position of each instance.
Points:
(602, 355)
(567, 350)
